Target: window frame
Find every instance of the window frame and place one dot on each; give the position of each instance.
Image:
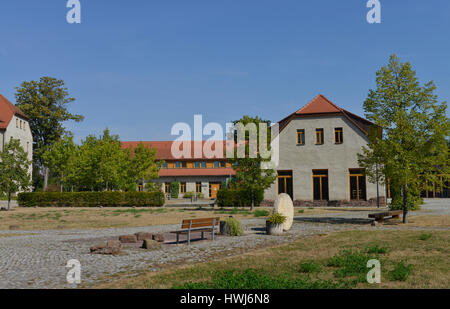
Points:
(301, 133)
(320, 132)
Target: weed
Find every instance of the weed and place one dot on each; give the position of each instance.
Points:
(400, 272)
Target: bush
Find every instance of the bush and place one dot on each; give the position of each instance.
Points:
(414, 199)
(90, 199)
(261, 213)
(238, 198)
(174, 189)
(235, 227)
(400, 272)
(276, 219)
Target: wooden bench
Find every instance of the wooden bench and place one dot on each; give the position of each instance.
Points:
(197, 225)
(380, 216)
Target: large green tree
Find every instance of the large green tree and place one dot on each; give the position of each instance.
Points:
(60, 158)
(45, 102)
(409, 146)
(144, 165)
(14, 167)
(249, 172)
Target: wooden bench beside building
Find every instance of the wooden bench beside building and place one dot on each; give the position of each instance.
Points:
(197, 225)
(380, 216)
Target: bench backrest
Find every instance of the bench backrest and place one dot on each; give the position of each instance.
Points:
(201, 222)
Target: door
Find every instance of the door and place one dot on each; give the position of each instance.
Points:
(320, 185)
(357, 185)
(285, 183)
(213, 189)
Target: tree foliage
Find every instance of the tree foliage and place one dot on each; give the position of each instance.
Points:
(45, 103)
(250, 175)
(14, 167)
(409, 145)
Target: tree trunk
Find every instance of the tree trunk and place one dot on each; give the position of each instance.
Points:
(62, 176)
(253, 201)
(143, 184)
(45, 178)
(9, 200)
(405, 203)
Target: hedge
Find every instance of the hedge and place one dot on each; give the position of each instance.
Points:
(91, 199)
(238, 198)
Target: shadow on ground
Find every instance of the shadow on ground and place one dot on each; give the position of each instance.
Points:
(334, 220)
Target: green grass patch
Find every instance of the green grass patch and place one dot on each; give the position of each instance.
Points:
(375, 249)
(261, 213)
(425, 236)
(401, 272)
(310, 267)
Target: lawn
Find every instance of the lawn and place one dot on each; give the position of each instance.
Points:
(95, 218)
(409, 259)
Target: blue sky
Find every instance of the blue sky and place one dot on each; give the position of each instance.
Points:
(137, 67)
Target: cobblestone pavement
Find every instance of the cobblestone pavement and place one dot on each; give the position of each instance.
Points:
(38, 259)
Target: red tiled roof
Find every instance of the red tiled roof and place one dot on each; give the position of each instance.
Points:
(319, 106)
(7, 111)
(164, 149)
(196, 172)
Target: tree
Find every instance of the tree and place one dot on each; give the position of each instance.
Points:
(409, 145)
(14, 167)
(45, 103)
(60, 158)
(144, 165)
(249, 172)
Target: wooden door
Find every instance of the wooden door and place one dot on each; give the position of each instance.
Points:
(215, 187)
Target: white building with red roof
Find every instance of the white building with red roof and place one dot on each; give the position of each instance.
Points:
(318, 160)
(14, 124)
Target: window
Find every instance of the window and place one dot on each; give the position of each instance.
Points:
(21, 124)
(301, 137)
(164, 165)
(338, 136)
(319, 136)
(222, 164)
(197, 164)
(203, 164)
(17, 123)
(167, 187)
(357, 184)
(320, 185)
(183, 164)
(216, 164)
(198, 187)
(177, 164)
(182, 187)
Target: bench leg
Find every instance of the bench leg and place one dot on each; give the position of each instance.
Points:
(203, 235)
(189, 238)
(213, 234)
(396, 217)
(178, 238)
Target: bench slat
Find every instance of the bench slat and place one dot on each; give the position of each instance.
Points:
(202, 222)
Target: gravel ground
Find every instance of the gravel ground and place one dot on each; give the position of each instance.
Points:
(38, 260)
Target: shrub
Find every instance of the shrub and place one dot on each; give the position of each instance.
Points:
(301, 211)
(276, 219)
(90, 199)
(414, 199)
(238, 198)
(400, 272)
(174, 189)
(310, 267)
(425, 236)
(261, 213)
(235, 227)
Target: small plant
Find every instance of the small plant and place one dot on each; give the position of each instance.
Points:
(261, 213)
(235, 227)
(401, 272)
(301, 211)
(425, 236)
(310, 267)
(350, 263)
(375, 249)
(276, 219)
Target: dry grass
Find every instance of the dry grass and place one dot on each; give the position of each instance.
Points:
(429, 221)
(95, 218)
(429, 259)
